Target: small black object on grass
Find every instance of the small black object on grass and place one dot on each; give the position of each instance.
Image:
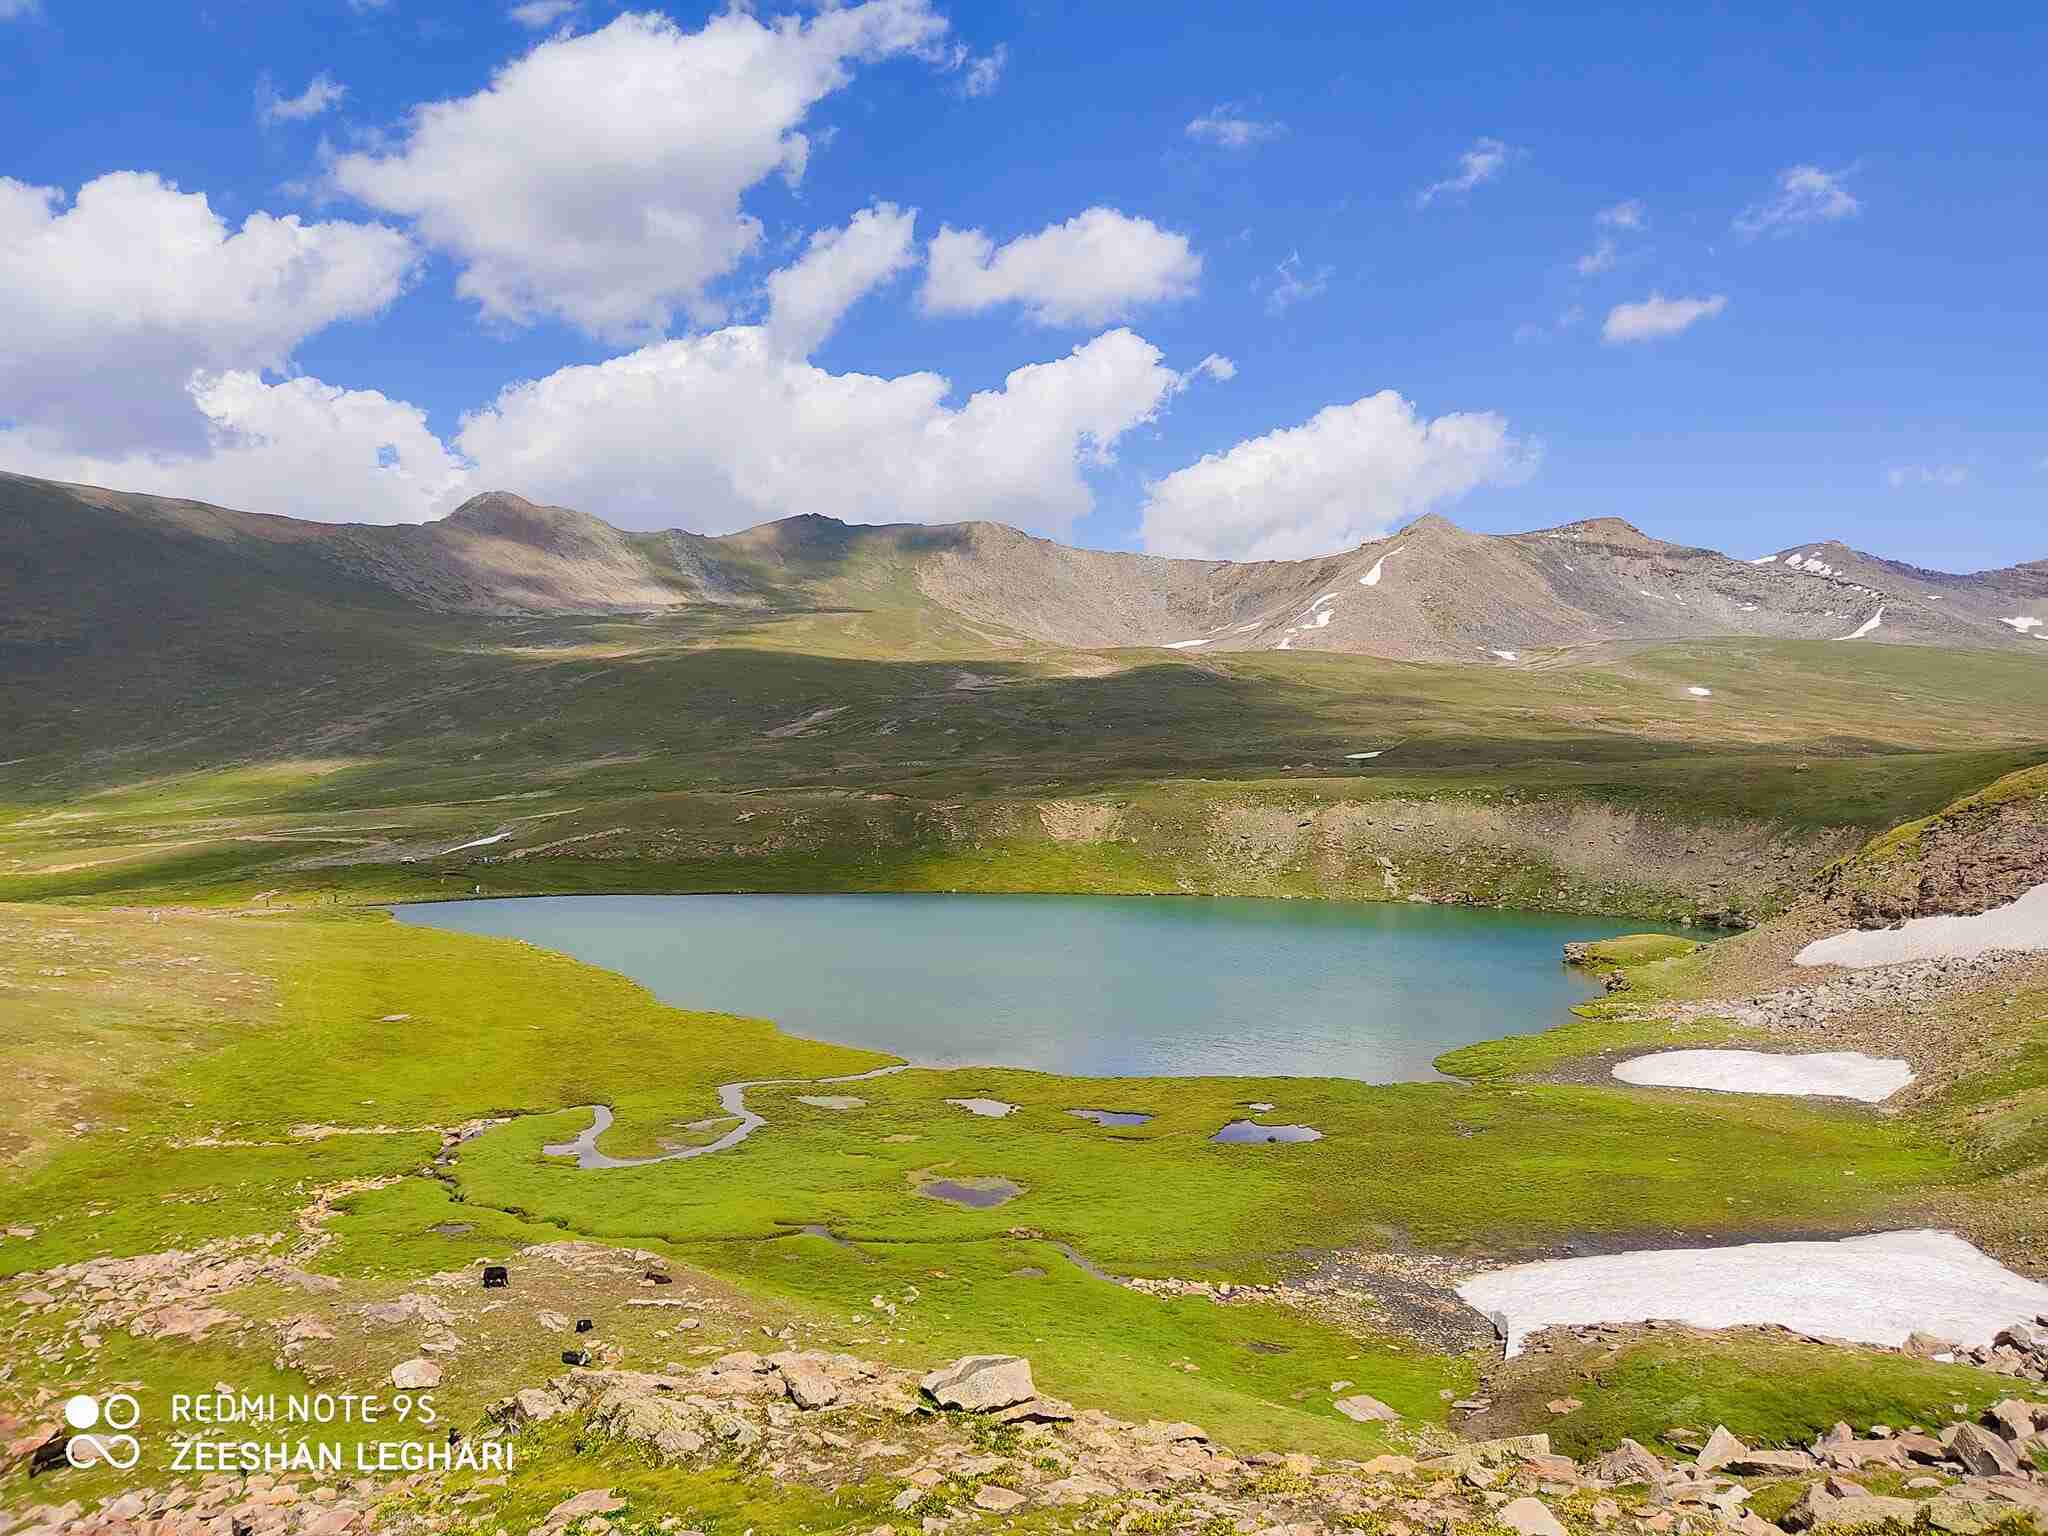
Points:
(496, 1277)
(454, 1435)
(659, 1278)
(575, 1357)
(584, 1325)
(50, 1455)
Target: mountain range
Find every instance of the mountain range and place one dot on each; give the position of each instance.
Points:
(78, 557)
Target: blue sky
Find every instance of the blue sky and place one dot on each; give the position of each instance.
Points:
(1744, 279)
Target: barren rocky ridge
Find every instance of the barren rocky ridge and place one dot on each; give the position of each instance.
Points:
(1430, 592)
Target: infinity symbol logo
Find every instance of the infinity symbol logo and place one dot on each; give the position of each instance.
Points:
(118, 1411)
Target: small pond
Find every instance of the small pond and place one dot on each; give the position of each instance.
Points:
(1087, 986)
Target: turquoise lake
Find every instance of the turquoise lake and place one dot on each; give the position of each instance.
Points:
(1088, 986)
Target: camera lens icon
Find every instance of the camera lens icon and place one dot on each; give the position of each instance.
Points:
(85, 1415)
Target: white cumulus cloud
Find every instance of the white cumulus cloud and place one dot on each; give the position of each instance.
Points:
(838, 266)
(725, 430)
(1348, 474)
(1100, 265)
(116, 300)
(1806, 195)
(298, 447)
(1656, 316)
(598, 178)
(320, 94)
(1486, 159)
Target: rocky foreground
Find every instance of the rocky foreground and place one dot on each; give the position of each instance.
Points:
(974, 1445)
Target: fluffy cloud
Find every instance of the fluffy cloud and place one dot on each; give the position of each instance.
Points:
(721, 431)
(1229, 128)
(598, 178)
(298, 447)
(1097, 266)
(1658, 316)
(1486, 159)
(1346, 475)
(1629, 215)
(320, 94)
(117, 300)
(806, 299)
(1806, 195)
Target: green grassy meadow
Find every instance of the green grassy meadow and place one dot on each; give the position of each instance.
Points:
(194, 975)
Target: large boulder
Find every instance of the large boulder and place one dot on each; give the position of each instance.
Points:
(647, 1417)
(415, 1375)
(1630, 1462)
(806, 1382)
(1721, 1448)
(1981, 1452)
(1818, 1508)
(982, 1383)
(1366, 1410)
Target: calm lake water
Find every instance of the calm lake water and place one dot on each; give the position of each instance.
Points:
(1089, 986)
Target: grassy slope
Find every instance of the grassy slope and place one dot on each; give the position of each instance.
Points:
(263, 1023)
(635, 748)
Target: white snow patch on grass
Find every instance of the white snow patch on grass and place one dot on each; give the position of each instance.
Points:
(1352, 757)
(479, 842)
(1867, 625)
(1181, 645)
(2022, 625)
(1701, 693)
(2021, 924)
(1873, 1290)
(1286, 643)
(993, 1109)
(1813, 1074)
(1506, 655)
(1323, 618)
(1372, 577)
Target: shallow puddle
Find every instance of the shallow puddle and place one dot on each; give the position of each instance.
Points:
(831, 1101)
(1111, 1116)
(1251, 1130)
(980, 1194)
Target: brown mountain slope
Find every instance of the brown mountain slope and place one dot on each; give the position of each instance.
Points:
(78, 557)
(2007, 603)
